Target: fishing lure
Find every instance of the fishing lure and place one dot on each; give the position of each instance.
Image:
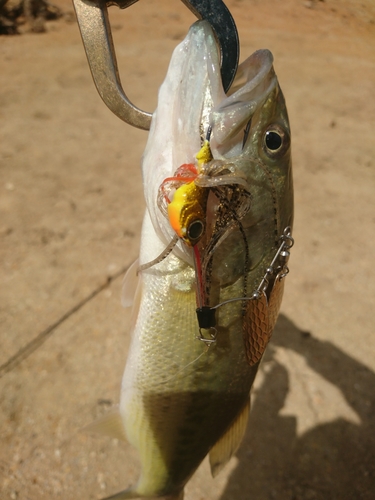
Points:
(187, 213)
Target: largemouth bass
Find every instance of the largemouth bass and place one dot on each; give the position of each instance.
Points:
(214, 247)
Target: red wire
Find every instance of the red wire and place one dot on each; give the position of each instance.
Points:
(198, 274)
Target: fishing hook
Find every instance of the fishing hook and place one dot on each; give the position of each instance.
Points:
(92, 16)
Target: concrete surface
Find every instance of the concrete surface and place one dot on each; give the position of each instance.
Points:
(71, 206)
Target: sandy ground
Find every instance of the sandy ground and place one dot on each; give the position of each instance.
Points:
(71, 206)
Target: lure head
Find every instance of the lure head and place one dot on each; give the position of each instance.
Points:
(187, 212)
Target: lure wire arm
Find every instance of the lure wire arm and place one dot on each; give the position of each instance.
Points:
(93, 22)
(278, 268)
(282, 255)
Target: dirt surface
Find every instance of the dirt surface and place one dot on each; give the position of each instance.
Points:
(71, 206)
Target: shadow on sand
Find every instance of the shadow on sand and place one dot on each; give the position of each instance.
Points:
(332, 461)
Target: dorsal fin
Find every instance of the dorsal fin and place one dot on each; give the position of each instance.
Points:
(129, 285)
(228, 444)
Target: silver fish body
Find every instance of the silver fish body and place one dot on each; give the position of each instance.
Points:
(183, 398)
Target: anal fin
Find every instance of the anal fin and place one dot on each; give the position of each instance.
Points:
(131, 493)
(123, 495)
(228, 444)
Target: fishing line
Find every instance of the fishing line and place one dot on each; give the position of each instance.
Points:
(186, 366)
(237, 221)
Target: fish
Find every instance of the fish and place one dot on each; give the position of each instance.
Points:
(215, 243)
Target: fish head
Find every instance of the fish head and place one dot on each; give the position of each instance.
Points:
(251, 158)
(250, 127)
(250, 130)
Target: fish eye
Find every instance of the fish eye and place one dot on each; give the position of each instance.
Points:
(273, 140)
(195, 230)
(276, 141)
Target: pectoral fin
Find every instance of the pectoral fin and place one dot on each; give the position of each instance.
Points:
(129, 285)
(228, 444)
(110, 425)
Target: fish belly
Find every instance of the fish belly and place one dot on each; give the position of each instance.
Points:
(178, 396)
